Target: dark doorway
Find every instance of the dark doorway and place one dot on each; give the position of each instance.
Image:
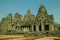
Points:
(17, 27)
(39, 27)
(47, 27)
(34, 28)
(25, 26)
(12, 25)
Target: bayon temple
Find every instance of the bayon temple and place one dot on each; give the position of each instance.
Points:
(30, 23)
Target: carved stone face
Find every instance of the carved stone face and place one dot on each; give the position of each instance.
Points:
(42, 10)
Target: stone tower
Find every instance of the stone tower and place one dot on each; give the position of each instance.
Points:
(3, 25)
(51, 23)
(17, 21)
(9, 21)
(29, 20)
(43, 20)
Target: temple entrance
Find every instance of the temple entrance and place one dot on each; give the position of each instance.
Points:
(25, 28)
(39, 27)
(17, 27)
(34, 28)
(47, 27)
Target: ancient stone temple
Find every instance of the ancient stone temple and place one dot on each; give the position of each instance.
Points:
(44, 22)
(30, 23)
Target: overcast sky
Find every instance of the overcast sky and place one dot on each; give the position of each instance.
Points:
(21, 6)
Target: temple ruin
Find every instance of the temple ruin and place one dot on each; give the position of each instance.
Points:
(30, 23)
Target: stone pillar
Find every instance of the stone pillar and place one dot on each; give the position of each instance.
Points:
(42, 26)
(37, 28)
(32, 28)
(49, 27)
(52, 27)
(20, 28)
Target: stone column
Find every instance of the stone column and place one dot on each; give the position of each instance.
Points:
(20, 28)
(37, 28)
(42, 26)
(32, 28)
(52, 27)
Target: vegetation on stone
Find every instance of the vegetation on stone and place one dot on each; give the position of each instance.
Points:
(42, 22)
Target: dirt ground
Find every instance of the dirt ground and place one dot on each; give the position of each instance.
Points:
(21, 37)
